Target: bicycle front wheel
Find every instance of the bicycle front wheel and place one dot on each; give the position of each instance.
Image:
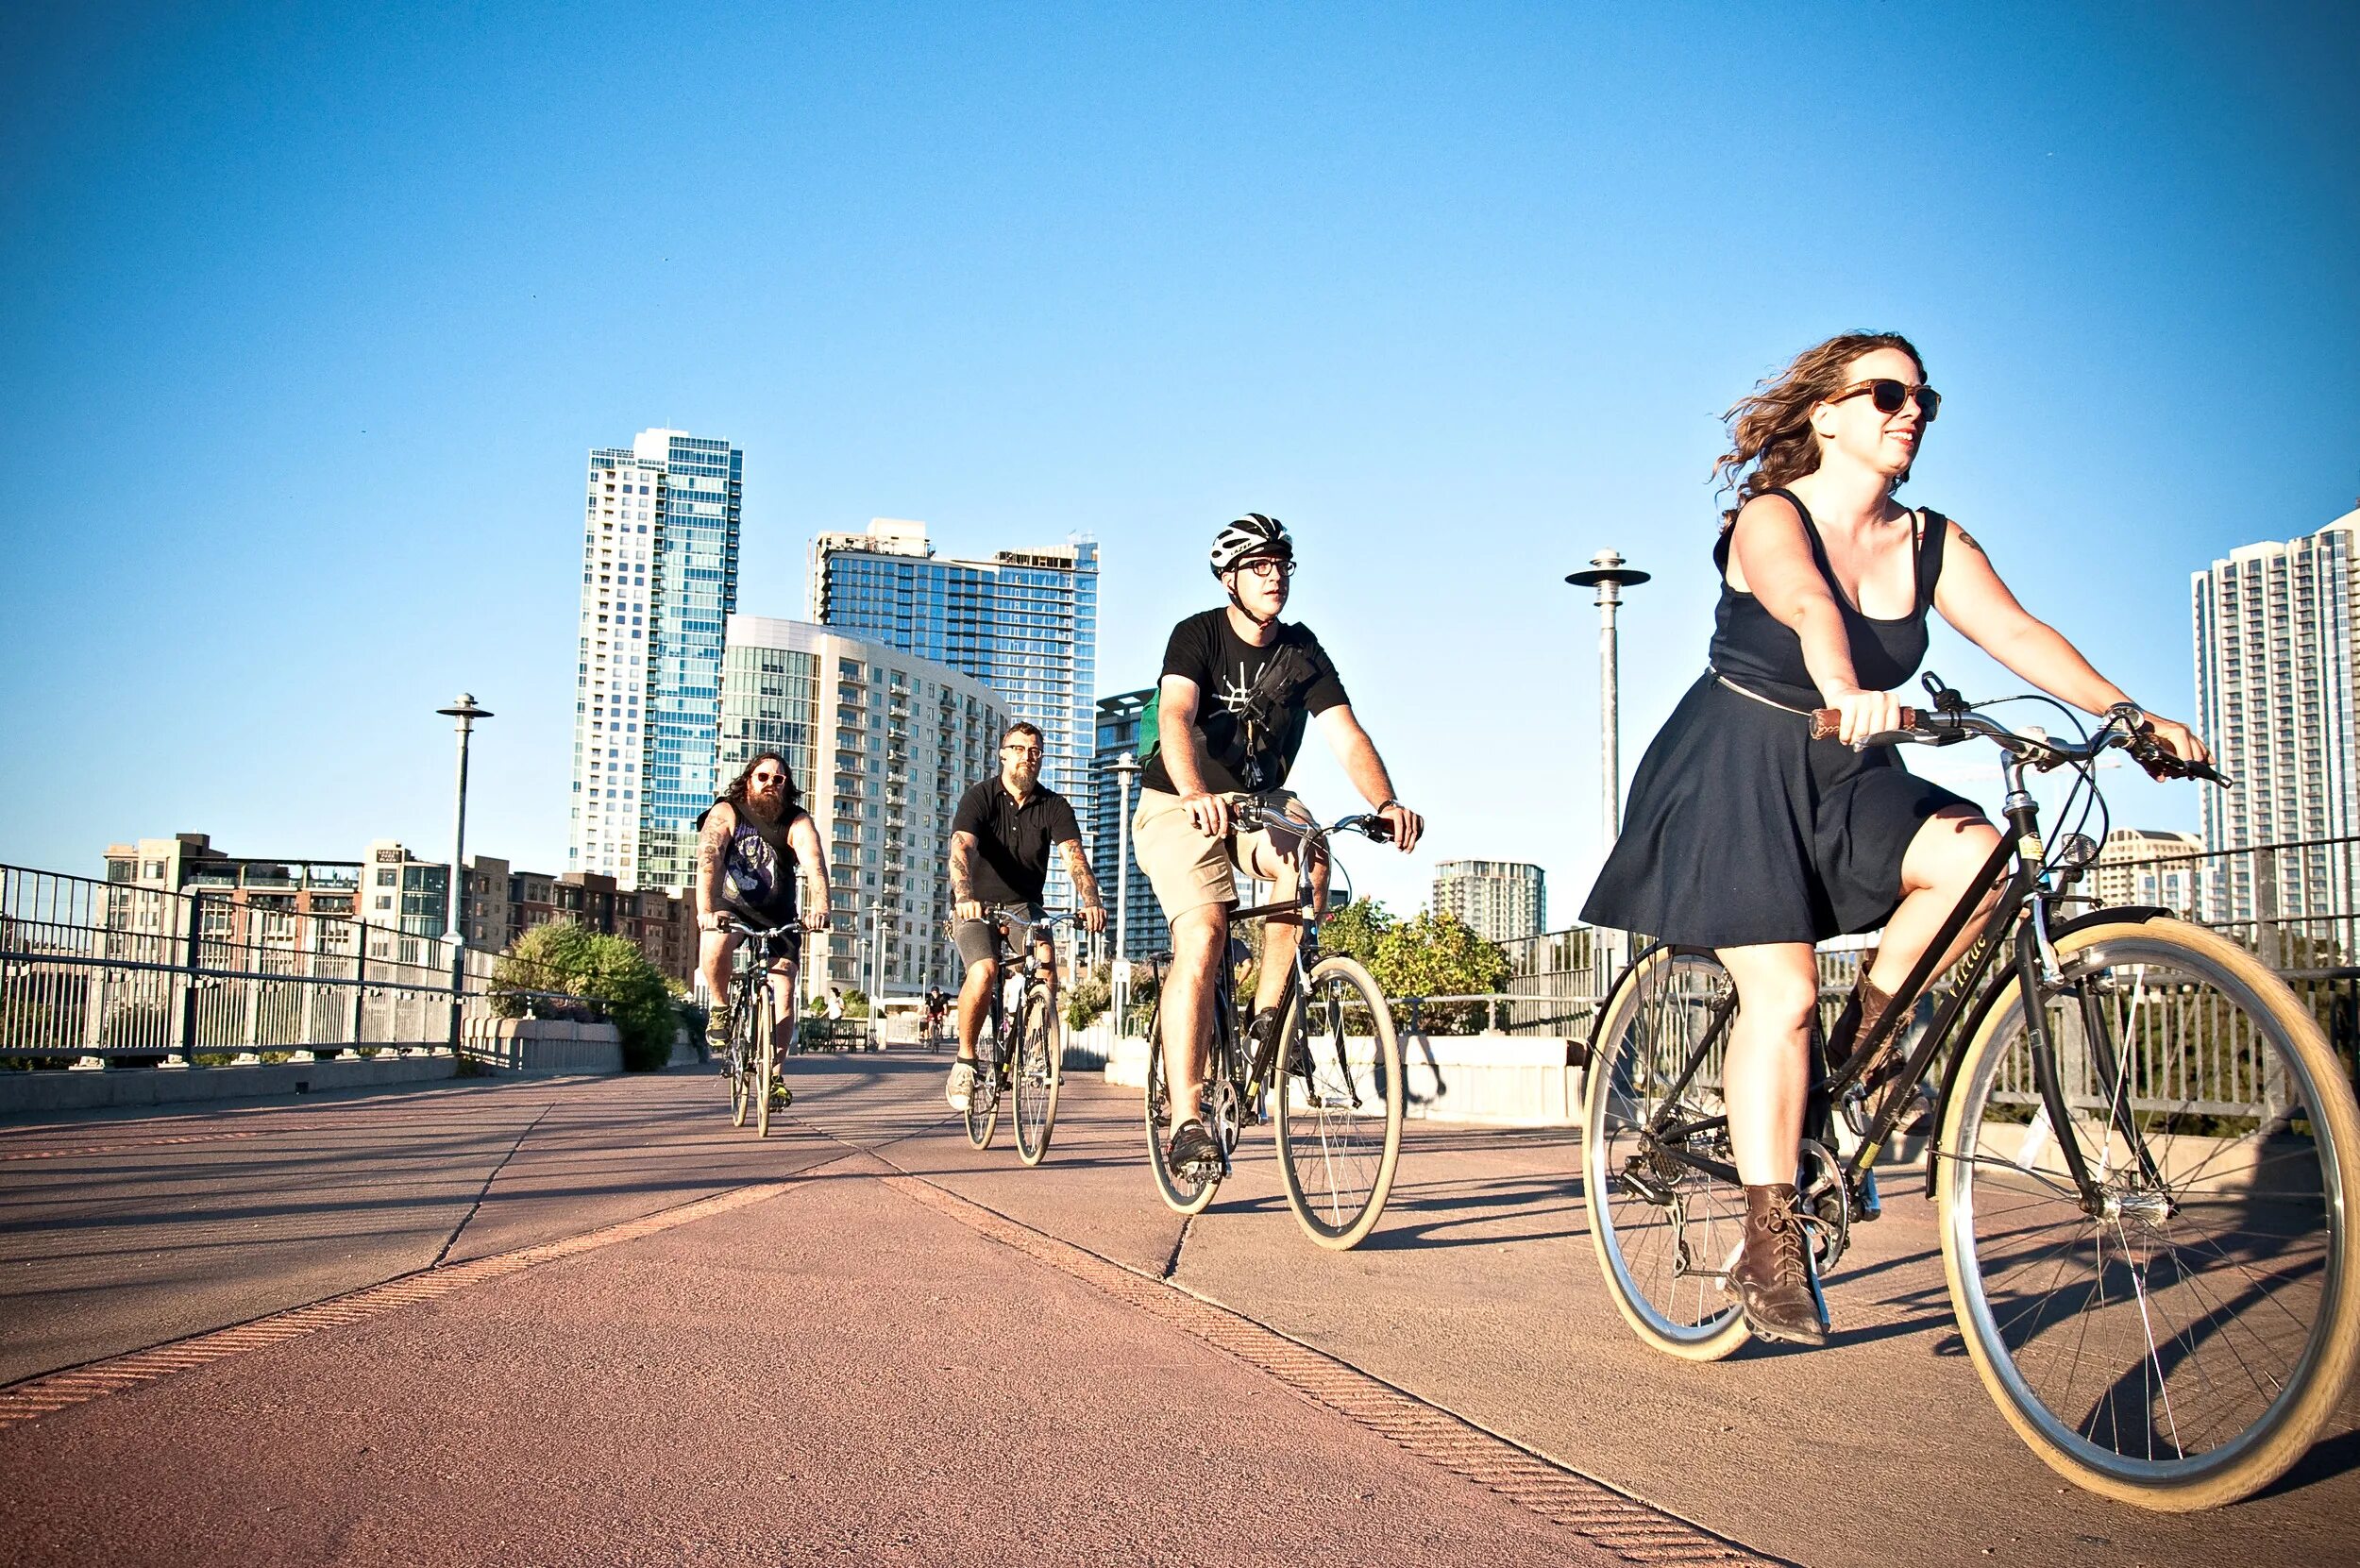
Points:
(739, 1100)
(1037, 1071)
(1666, 1232)
(767, 1067)
(1181, 1194)
(2176, 1337)
(1338, 1096)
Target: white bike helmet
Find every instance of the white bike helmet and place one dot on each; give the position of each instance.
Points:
(1251, 537)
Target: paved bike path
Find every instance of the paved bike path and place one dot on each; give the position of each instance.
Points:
(1479, 1293)
(836, 1371)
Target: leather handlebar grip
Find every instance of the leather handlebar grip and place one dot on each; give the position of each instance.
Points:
(1826, 723)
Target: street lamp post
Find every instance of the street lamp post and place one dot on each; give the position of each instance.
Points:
(1127, 769)
(1608, 574)
(876, 968)
(464, 712)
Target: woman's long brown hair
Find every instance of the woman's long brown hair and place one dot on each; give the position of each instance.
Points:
(1771, 443)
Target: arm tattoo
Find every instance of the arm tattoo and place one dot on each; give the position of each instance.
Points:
(962, 868)
(1084, 886)
(1969, 540)
(711, 845)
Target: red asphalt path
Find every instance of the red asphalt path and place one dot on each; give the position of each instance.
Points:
(839, 1371)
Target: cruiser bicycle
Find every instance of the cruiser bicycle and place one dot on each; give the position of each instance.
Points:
(751, 1064)
(1018, 1053)
(1330, 1075)
(2144, 1158)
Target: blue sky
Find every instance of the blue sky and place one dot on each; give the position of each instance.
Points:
(310, 313)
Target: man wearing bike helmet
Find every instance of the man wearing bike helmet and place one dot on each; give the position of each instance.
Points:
(1238, 690)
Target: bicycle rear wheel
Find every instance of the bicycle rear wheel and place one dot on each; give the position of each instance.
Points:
(2183, 1345)
(982, 1115)
(1181, 1194)
(1340, 1094)
(742, 1037)
(1666, 1232)
(1038, 1072)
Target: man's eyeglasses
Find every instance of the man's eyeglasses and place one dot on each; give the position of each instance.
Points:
(1269, 569)
(1890, 395)
(1019, 751)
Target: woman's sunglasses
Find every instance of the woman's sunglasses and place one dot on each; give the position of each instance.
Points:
(1889, 396)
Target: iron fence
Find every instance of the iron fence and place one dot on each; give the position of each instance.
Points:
(129, 974)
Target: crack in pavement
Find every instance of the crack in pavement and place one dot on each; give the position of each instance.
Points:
(485, 1190)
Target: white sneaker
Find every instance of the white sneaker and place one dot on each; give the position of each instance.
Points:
(962, 1086)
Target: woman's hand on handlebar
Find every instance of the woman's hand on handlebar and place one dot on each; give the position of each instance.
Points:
(2178, 739)
(1863, 714)
(816, 920)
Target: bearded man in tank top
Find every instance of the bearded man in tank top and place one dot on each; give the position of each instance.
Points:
(751, 846)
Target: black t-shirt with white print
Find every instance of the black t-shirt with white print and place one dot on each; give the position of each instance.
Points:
(1252, 702)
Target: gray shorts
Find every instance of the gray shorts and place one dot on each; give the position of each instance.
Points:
(977, 940)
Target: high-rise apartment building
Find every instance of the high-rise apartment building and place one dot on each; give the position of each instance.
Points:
(1025, 622)
(2274, 690)
(1145, 930)
(881, 743)
(1499, 900)
(659, 574)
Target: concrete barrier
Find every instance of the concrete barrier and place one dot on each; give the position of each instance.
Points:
(36, 1093)
(1493, 1080)
(542, 1045)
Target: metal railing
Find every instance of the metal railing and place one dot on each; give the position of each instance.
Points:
(127, 974)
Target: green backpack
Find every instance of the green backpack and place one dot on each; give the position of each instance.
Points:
(1151, 734)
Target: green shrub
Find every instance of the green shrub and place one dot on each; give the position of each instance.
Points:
(571, 958)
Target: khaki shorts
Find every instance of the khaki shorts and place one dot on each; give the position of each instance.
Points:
(1188, 869)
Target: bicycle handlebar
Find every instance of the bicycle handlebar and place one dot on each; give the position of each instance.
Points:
(1250, 814)
(724, 921)
(2125, 727)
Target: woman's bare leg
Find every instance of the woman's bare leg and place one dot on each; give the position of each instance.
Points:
(1767, 1068)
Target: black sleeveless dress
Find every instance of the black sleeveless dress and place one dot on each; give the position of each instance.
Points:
(1741, 828)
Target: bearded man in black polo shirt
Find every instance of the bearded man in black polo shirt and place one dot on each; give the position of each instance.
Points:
(1000, 845)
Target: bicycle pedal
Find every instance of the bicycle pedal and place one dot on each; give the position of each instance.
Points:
(1865, 1204)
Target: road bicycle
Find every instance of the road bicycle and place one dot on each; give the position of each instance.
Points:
(1018, 1053)
(1330, 1076)
(751, 1063)
(2144, 1157)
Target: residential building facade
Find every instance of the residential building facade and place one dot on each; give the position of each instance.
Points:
(659, 577)
(1501, 900)
(1025, 622)
(881, 743)
(2274, 627)
(1145, 930)
(2150, 865)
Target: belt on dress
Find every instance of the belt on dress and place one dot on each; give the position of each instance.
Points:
(1765, 701)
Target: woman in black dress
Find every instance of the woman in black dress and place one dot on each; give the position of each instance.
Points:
(1745, 835)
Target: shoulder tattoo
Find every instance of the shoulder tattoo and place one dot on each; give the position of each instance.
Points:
(1969, 540)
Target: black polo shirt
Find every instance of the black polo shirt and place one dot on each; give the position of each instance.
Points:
(1012, 841)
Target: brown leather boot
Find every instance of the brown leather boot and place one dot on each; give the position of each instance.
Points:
(1863, 1010)
(1771, 1276)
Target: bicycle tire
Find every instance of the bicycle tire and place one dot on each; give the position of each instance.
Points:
(1647, 1238)
(741, 1061)
(766, 1055)
(2280, 1186)
(1337, 1174)
(981, 1116)
(1180, 1194)
(1037, 1074)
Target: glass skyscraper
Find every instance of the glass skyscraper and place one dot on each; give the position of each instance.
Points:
(659, 577)
(1025, 622)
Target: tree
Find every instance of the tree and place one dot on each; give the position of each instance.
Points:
(570, 958)
(1357, 929)
(1436, 953)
